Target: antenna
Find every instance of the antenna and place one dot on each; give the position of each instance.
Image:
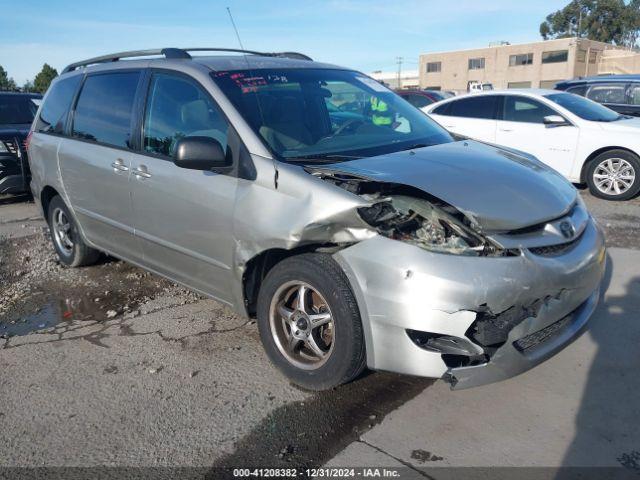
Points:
(235, 28)
(275, 166)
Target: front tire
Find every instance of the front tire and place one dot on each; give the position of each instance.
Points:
(66, 238)
(614, 175)
(309, 322)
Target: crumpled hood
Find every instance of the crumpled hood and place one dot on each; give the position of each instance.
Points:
(497, 189)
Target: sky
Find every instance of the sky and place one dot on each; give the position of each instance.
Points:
(366, 35)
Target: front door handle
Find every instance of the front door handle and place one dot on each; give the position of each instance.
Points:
(119, 166)
(506, 129)
(142, 172)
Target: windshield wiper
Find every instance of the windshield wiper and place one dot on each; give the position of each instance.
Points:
(322, 158)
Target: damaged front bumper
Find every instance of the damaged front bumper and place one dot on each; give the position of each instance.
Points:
(471, 320)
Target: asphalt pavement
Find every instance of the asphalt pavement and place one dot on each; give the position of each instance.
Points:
(110, 365)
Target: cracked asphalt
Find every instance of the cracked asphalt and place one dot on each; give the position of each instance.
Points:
(110, 365)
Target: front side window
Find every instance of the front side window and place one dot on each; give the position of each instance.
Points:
(525, 110)
(557, 56)
(312, 114)
(433, 67)
(104, 110)
(584, 108)
(178, 108)
(54, 111)
(476, 63)
(524, 59)
(482, 107)
(608, 93)
(634, 95)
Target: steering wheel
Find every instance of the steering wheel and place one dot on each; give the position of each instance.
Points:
(347, 124)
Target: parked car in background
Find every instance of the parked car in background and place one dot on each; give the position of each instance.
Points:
(16, 114)
(583, 140)
(475, 87)
(380, 242)
(421, 98)
(618, 92)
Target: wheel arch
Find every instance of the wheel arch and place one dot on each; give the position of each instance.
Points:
(258, 267)
(47, 193)
(596, 153)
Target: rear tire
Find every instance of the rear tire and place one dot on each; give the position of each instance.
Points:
(614, 175)
(314, 357)
(66, 238)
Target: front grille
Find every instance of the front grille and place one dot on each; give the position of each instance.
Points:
(554, 250)
(11, 146)
(531, 341)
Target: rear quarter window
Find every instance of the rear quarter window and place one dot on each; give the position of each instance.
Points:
(54, 111)
(104, 110)
(482, 107)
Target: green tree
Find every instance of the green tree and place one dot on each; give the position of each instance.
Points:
(7, 83)
(44, 78)
(28, 86)
(611, 21)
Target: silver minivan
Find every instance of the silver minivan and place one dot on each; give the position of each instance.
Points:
(355, 229)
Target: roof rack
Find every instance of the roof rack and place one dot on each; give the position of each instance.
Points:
(177, 53)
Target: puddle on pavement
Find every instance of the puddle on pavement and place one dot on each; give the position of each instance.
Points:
(54, 313)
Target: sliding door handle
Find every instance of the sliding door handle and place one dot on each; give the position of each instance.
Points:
(142, 172)
(119, 166)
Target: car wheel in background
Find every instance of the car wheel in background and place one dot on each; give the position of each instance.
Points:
(614, 175)
(309, 322)
(71, 249)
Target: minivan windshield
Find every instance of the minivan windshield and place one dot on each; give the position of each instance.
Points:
(310, 114)
(584, 108)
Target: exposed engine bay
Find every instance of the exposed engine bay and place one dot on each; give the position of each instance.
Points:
(409, 215)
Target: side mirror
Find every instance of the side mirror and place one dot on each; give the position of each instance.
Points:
(201, 153)
(555, 121)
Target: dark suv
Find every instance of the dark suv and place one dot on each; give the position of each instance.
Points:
(618, 92)
(16, 114)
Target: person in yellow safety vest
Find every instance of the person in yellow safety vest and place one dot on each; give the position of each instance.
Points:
(381, 114)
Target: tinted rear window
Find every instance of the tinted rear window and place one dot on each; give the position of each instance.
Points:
(105, 106)
(53, 114)
(16, 109)
(473, 107)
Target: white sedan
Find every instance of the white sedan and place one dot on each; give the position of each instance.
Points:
(581, 139)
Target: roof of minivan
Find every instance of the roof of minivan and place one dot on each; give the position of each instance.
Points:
(213, 62)
(249, 62)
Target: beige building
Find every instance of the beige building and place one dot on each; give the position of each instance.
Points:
(527, 65)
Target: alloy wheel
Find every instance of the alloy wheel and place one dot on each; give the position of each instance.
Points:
(302, 325)
(62, 233)
(614, 176)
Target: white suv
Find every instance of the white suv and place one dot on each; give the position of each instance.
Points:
(581, 139)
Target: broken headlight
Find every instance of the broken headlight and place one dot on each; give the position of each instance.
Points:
(431, 227)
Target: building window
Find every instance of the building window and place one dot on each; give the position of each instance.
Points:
(433, 67)
(593, 55)
(523, 59)
(548, 83)
(557, 56)
(476, 63)
(519, 85)
(581, 56)
(437, 88)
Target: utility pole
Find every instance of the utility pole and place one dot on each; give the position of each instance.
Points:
(399, 62)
